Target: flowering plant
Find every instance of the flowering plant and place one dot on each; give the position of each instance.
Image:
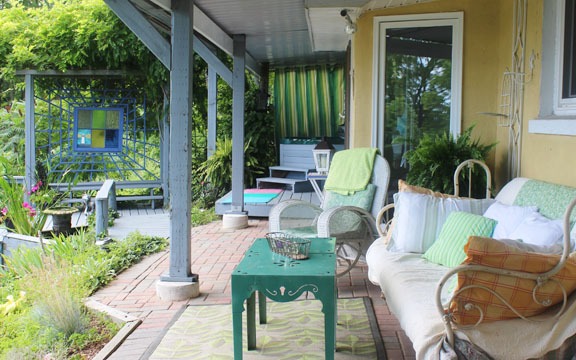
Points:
(21, 216)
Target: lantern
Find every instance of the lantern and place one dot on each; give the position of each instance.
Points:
(322, 156)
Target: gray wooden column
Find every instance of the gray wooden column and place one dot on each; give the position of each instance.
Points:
(180, 166)
(238, 83)
(165, 150)
(212, 109)
(29, 132)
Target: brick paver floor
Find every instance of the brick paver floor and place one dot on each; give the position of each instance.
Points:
(215, 253)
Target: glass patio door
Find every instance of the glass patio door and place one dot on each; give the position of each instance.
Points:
(418, 87)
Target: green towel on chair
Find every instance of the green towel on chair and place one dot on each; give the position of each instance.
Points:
(350, 170)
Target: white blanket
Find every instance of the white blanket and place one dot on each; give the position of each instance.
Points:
(409, 284)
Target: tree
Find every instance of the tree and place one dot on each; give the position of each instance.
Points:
(418, 88)
(5, 4)
(86, 34)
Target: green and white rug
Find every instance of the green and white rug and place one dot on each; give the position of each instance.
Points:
(295, 330)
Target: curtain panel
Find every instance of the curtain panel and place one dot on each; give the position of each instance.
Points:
(309, 101)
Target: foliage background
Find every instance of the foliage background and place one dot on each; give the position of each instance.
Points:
(86, 34)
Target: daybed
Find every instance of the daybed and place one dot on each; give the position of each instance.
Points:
(440, 312)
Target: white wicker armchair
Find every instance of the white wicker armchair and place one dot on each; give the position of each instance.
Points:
(304, 219)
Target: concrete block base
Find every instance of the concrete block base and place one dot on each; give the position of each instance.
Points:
(234, 221)
(177, 291)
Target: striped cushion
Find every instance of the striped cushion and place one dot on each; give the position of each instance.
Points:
(418, 218)
(403, 186)
(448, 250)
(516, 291)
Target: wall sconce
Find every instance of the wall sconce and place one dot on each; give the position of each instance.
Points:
(322, 156)
(350, 25)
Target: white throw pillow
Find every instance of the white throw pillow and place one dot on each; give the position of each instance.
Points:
(418, 218)
(518, 244)
(538, 230)
(508, 217)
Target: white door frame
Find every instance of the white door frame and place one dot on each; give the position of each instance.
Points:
(381, 24)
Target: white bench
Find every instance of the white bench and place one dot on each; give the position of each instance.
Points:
(296, 161)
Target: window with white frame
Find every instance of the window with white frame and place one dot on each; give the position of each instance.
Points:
(558, 83)
(568, 59)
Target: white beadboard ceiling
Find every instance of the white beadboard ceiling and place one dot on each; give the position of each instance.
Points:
(278, 32)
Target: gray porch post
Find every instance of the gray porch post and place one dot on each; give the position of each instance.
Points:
(212, 103)
(165, 151)
(179, 283)
(29, 132)
(237, 218)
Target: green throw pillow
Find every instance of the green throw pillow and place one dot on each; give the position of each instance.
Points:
(347, 221)
(448, 249)
(362, 199)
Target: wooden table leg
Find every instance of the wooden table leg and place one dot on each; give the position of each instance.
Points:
(330, 310)
(237, 309)
(251, 321)
(262, 308)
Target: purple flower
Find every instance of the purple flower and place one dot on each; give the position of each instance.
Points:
(4, 211)
(31, 210)
(36, 187)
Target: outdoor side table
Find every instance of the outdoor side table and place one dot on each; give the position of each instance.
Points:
(282, 279)
(314, 179)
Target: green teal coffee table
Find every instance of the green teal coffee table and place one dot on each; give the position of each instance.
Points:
(282, 279)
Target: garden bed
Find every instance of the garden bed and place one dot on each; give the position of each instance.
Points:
(130, 323)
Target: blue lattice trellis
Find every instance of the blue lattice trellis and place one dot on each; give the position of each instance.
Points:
(137, 157)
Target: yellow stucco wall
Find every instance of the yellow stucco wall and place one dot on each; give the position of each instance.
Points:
(500, 165)
(487, 54)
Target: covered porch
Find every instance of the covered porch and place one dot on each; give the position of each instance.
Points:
(497, 45)
(217, 251)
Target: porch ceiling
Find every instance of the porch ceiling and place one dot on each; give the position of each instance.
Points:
(278, 32)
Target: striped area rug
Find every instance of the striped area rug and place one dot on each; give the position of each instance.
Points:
(295, 330)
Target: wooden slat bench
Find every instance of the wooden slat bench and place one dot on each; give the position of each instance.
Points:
(96, 185)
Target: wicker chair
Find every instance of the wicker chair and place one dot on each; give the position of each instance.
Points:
(353, 227)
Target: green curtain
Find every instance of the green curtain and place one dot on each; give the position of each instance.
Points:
(308, 100)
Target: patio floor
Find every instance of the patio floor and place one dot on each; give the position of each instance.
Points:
(215, 253)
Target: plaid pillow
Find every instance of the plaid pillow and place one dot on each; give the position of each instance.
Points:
(516, 291)
(404, 186)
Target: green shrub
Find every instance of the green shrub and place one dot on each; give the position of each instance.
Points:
(217, 170)
(200, 216)
(59, 307)
(129, 251)
(52, 319)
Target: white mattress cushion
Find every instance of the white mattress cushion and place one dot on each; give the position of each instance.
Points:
(409, 284)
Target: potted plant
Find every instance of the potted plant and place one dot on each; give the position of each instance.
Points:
(61, 218)
(433, 161)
